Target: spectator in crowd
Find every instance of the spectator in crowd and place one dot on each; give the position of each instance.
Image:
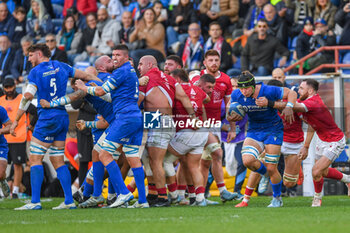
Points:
(326, 10)
(87, 38)
(138, 7)
(303, 46)
(69, 37)
(17, 145)
(27, 4)
(39, 23)
(277, 25)
(6, 57)
(161, 13)
(115, 8)
(83, 6)
(322, 36)
(192, 50)
(56, 54)
(258, 54)
(80, 20)
(342, 18)
(7, 21)
(217, 42)
(127, 27)
(255, 13)
(20, 27)
(223, 11)
(181, 17)
(301, 10)
(21, 66)
(149, 30)
(106, 36)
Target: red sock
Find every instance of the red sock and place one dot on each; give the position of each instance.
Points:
(162, 192)
(248, 191)
(181, 187)
(152, 189)
(318, 185)
(172, 187)
(191, 189)
(200, 189)
(334, 174)
(131, 189)
(219, 185)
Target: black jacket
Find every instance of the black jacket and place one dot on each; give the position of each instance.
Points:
(60, 55)
(18, 65)
(7, 65)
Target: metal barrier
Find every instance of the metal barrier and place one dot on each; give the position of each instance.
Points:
(325, 48)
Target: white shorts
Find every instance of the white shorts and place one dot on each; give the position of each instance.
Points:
(216, 132)
(160, 138)
(98, 145)
(331, 150)
(289, 148)
(190, 141)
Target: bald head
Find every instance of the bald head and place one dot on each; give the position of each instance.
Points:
(146, 63)
(278, 74)
(269, 12)
(91, 70)
(104, 64)
(3, 11)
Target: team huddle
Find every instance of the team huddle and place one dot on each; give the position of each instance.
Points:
(184, 126)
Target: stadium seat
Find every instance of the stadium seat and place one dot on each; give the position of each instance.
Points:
(57, 23)
(346, 60)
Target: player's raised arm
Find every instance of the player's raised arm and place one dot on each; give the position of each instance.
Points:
(291, 96)
(85, 76)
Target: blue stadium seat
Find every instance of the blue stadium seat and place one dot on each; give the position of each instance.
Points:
(346, 60)
(57, 24)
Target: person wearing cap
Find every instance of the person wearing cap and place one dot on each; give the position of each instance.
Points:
(321, 37)
(17, 145)
(265, 130)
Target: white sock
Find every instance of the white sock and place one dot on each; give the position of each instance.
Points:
(173, 194)
(15, 189)
(200, 197)
(246, 200)
(223, 188)
(345, 179)
(318, 195)
(191, 195)
(181, 193)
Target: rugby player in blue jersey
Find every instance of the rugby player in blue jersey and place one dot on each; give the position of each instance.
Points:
(4, 120)
(126, 130)
(48, 79)
(265, 129)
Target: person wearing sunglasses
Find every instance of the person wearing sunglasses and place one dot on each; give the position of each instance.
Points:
(56, 54)
(258, 54)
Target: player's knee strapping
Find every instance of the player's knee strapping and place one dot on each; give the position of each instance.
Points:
(55, 151)
(272, 158)
(169, 165)
(213, 147)
(290, 178)
(250, 150)
(131, 151)
(110, 146)
(37, 149)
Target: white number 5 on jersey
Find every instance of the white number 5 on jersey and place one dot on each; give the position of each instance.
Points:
(53, 84)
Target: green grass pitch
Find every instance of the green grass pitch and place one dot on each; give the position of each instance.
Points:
(295, 216)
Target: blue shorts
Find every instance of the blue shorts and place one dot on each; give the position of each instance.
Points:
(4, 150)
(54, 129)
(272, 135)
(126, 131)
(96, 134)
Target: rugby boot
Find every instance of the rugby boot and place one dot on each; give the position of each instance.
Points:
(201, 203)
(30, 206)
(92, 202)
(183, 200)
(316, 202)
(63, 206)
(209, 202)
(192, 201)
(242, 204)
(263, 184)
(276, 202)
(110, 201)
(139, 205)
(5, 188)
(78, 196)
(239, 196)
(227, 196)
(122, 199)
(162, 202)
